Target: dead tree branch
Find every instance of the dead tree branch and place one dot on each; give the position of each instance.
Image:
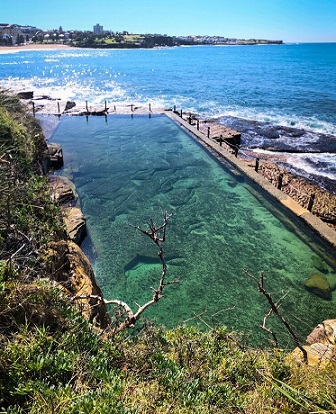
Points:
(158, 236)
(274, 309)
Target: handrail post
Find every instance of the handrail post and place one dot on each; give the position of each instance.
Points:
(280, 177)
(311, 202)
(256, 165)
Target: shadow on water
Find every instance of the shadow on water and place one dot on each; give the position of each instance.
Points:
(130, 170)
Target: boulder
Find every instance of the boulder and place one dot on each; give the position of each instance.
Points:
(319, 264)
(75, 224)
(25, 94)
(319, 285)
(55, 154)
(68, 265)
(62, 189)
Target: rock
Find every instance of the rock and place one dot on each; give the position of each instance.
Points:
(317, 354)
(319, 264)
(324, 333)
(69, 105)
(55, 154)
(321, 347)
(68, 265)
(318, 284)
(62, 189)
(75, 224)
(25, 94)
(332, 281)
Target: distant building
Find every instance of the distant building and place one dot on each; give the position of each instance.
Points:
(98, 29)
(14, 31)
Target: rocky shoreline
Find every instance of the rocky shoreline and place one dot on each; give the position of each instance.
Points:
(300, 189)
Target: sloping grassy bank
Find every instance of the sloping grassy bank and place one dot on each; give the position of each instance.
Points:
(53, 361)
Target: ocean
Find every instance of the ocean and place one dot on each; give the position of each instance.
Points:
(281, 97)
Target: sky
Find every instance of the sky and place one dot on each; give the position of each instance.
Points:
(287, 20)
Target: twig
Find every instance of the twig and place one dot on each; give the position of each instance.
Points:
(274, 309)
(158, 235)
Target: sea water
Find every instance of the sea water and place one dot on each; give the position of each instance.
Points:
(293, 85)
(128, 170)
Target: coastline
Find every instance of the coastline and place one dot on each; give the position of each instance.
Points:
(44, 46)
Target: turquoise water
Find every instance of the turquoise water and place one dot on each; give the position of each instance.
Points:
(128, 170)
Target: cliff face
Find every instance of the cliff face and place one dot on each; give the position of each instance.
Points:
(68, 265)
(66, 262)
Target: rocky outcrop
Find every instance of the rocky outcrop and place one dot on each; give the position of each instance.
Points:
(68, 265)
(75, 224)
(62, 190)
(63, 194)
(55, 155)
(319, 285)
(321, 345)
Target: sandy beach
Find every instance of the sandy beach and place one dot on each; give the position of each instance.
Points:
(44, 46)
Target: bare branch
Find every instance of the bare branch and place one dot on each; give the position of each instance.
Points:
(158, 235)
(274, 309)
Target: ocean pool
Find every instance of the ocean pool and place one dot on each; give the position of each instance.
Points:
(128, 170)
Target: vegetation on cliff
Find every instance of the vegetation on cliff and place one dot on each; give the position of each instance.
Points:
(52, 360)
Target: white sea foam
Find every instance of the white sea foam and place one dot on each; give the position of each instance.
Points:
(317, 164)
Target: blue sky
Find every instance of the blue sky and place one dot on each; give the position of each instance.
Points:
(289, 20)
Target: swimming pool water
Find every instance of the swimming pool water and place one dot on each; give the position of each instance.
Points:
(128, 170)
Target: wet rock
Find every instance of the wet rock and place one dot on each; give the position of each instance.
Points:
(319, 285)
(75, 224)
(55, 154)
(25, 94)
(319, 264)
(332, 281)
(69, 105)
(62, 190)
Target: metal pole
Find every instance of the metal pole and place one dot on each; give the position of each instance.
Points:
(208, 132)
(311, 202)
(59, 109)
(257, 165)
(280, 177)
